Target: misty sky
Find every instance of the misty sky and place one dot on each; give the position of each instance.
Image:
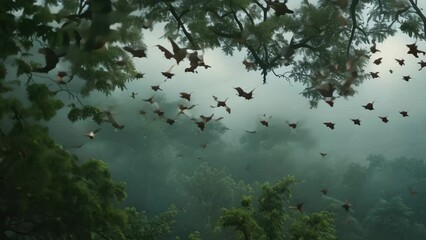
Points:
(281, 100)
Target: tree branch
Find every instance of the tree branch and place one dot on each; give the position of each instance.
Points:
(181, 25)
(421, 15)
(354, 24)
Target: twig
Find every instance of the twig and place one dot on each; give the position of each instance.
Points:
(421, 15)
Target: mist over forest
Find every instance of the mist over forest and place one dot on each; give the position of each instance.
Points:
(212, 120)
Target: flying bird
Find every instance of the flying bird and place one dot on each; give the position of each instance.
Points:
(92, 134)
(329, 125)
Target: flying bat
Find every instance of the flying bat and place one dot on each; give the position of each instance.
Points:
(329, 125)
(92, 134)
(346, 206)
(412, 49)
(185, 95)
(400, 61)
(406, 78)
(139, 53)
(156, 88)
(404, 113)
(323, 154)
(246, 95)
(356, 121)
(111, 120)
(373, 49)
(324, 191)
(422, 64)
(369, 106)
(51, 60)
(384, 119)
(168, 74)
(374, 74)
(378, 61)
(280, 8)
(133, 95)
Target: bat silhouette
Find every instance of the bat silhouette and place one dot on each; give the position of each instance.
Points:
(412, 49)
(374, 74)
(139, 53)
(400, 61)
(51, 60)
(139, 75)
(323, 154)
(168, 74)
(404, 113)
(346, 206)
(159, 112)
(92, 134)
(406, 78)
(178, 53)
(133, 95)
(251, 132)
(170, 121)
(221, 104)
(324, 191)
(422, 64)
(156, 88)
(242, 93)
(167, 53)
(369, 106)
(185, 95)
(373, 49)
(329, 125)
(111, 120)
(292, 125)
(280, 8)
(378, 61)
(384, 119)
(356, 121)
(207, 119)
(150, 100)
(249, 65)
